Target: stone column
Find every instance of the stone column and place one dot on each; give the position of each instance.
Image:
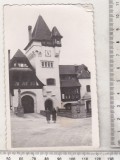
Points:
(20, 111)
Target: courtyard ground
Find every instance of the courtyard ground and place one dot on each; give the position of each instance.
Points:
(32, 130)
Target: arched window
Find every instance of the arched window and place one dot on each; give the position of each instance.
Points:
(50, 81)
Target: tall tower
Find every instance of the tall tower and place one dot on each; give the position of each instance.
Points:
(43, 51)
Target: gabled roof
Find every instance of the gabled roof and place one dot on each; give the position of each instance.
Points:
(20, 57)
(41, 30)
(55, 32)
(81, 71)
(67, 69)
(69, 83)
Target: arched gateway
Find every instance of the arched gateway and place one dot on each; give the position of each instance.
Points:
(28, 104)
(49, 105)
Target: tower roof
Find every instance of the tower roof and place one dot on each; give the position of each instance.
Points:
(42, 33)
(41, 30)
(55, 32)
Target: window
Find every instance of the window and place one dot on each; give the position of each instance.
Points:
(51, 64)
(25, 65)
(77, 90)
(63, 96)
(50, 81)
(88, 88)
(42, 64)
(47, 64)
(15, 64)
(58, 42)
(20, 64)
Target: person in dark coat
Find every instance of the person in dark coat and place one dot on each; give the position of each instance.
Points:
(48, 115)
(54, 115)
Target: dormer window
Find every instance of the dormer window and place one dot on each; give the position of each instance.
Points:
(20, 64)
(58, 42)
(15, 64)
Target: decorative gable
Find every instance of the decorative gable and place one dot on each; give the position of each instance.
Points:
(22, 74)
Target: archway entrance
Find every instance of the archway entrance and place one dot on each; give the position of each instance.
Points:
(28, 104)
(49, 105)
(67, 106)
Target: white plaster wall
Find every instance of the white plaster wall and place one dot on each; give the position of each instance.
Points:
(84, 83)
(36, 94)
(52, 93)
(40, 101)
(32, 48)
(44, 73)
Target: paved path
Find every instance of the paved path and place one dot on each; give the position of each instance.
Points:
(34, 131)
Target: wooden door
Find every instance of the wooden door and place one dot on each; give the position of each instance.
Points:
(28, 104)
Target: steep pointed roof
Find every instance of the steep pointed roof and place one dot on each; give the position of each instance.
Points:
(55, 32)
(19, 54)
(42, 33)
(41, 30)
(20, 57)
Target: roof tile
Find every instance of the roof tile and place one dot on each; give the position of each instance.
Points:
(55, 32)
(81, 71)
(41, 30)
(69, 83)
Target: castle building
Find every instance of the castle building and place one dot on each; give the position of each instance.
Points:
(38, 77)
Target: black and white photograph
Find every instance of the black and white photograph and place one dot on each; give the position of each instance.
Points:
(51, 94)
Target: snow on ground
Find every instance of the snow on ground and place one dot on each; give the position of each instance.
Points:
(32, 130)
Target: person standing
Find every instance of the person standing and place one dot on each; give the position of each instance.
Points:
(54, 115)
(48, 115)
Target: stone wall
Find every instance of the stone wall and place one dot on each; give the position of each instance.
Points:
(77, 111)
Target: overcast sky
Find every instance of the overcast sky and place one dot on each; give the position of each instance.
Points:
(73, 22)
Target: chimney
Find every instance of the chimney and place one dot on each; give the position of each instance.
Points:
(30, 32)
(8, 56)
